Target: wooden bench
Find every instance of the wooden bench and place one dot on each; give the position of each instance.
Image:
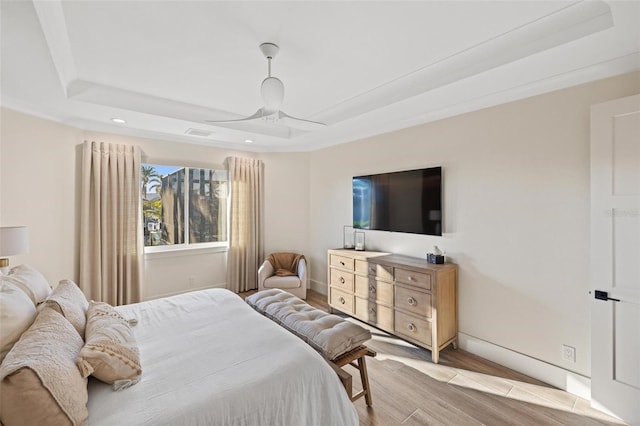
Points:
(340, 342)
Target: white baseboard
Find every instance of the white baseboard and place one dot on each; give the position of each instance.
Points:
(173, 293)
(569, 381)
(318, 286)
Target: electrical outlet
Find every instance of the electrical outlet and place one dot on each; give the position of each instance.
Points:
(568, 353)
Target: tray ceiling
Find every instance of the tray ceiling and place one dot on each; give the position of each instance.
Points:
(363, 68)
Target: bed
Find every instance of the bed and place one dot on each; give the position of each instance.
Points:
(208, 358)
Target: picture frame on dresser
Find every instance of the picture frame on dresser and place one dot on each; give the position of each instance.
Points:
(402, 295)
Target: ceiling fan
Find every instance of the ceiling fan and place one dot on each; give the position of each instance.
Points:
(272, 91)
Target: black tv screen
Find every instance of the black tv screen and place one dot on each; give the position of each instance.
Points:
(408, 201)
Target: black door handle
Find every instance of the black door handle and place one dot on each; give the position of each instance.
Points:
(603, 295)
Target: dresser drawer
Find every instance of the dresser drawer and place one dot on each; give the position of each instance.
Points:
(378, 315)
(341, 300)
(418, 279)
(341, 279)
(383, 272)
(412, 327)
(341, 262)
(370, 288)
(414, 301)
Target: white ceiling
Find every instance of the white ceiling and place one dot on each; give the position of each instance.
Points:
(362, 67)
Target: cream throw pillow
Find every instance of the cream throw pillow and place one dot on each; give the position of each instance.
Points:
(69, 300)
(30, 281)
(110, 352)
(41, 384)
(17, 313)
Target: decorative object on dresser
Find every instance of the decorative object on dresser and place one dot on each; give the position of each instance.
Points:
(437, 257)
(348, 237)
(359, 237)
(406, 296)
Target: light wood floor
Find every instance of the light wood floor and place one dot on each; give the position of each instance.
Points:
(463, 389)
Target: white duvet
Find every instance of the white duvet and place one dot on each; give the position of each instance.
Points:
(209, 359)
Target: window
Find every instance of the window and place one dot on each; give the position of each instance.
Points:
(183, 205)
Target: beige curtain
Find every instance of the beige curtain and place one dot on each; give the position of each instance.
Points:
(246, 213)
(111, 234)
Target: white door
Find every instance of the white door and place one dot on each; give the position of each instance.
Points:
(615, 258)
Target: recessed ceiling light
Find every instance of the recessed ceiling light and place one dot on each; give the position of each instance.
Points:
(248, 140)
(118, 120)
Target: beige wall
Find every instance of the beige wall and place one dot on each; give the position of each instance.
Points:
(37, 170)
(516, 209)
(286, 202)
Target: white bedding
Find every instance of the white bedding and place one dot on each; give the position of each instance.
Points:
(209, 359)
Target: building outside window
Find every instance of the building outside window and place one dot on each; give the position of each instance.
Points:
(184, 205)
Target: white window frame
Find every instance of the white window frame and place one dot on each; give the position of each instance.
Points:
(187, 247)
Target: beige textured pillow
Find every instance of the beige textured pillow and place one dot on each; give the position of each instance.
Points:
(17, 313)
(110, 353)
(40, 381)
(30, 281)
(68, 299)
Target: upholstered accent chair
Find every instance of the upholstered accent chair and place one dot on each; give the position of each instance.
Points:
(296, 283)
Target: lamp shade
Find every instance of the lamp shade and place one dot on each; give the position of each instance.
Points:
(14, 240)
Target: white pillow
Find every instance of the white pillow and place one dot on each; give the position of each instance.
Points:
(30, 281)
(17, 313)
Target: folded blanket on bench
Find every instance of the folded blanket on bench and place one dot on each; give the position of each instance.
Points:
(329, 334)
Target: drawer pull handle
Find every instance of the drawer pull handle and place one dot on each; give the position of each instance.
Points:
(372, 311)
(342, 300)
(411, 327)
(409, 278)
(341, 280)
(342, 263)
(372, 289)
(411, 301)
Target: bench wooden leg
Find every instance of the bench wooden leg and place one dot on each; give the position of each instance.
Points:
(364, 377)
(357, 355)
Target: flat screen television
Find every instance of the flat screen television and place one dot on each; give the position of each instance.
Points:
(407, 201)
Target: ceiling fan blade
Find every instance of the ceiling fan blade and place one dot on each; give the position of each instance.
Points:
(299, 123)
(256, 116)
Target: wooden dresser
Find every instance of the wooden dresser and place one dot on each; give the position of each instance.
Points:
(403, 295)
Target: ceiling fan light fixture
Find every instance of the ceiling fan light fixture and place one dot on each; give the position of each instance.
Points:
(272, 91)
